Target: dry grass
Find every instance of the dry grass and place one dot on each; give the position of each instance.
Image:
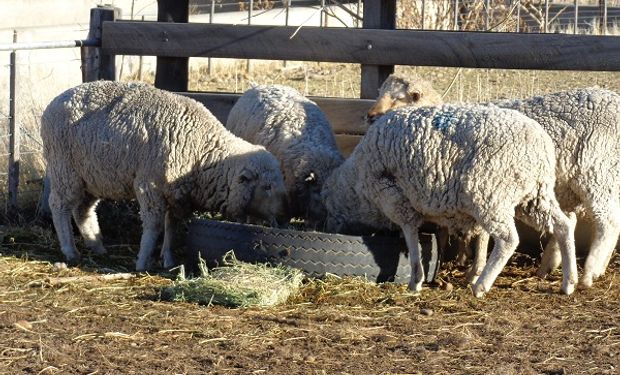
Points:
(237, 284)
(336, 325)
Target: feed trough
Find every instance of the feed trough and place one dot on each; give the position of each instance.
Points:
(378, 257)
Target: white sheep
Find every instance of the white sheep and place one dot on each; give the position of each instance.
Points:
(468, 168)
(584, 125)
(297, 132)
(121, 141)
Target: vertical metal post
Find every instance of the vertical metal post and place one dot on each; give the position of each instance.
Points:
(14, 156)
(518, 15)
(456, 15)
(603, 16)
(140, 62)
(322, 14)
(487, 14)
(423, 14)
(250, 11)
(576, 21)
(286, 15)
(211, 12)
(546, 21)
(359, 8)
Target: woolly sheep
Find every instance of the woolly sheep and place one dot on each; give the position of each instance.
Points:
(297, 132)
(468, 168)
(584, 125)
(121, 141)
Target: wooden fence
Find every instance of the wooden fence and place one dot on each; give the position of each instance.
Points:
(377, 47)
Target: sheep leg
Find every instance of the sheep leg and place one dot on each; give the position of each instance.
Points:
(397, 208)
(166, 249)
(85, 217)
(61, 217)
(152, 213)
(480, 258)
(506, 239)
(551, 258)
(606, 232)
(550, 218)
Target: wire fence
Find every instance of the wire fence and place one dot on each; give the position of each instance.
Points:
(22, 127)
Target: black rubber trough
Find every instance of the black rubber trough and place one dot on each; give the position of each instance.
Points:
(379, 258)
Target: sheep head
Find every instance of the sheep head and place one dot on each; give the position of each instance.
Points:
(400, 91)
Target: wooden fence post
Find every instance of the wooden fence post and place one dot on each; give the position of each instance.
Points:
(14, 138)
(172, 73)
(95, 64)
(378, 14)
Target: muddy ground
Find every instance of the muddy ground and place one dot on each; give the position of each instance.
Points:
(50, 324)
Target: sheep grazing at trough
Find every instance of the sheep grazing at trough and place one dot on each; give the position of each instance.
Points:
(467, 168)
(129, 140)
(297, 132)
(584, 125)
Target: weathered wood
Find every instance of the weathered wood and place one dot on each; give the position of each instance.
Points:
(172, 71)
(345, 115)
(347, 142)
(378, 14)
(97, 64)
(14, 137)
(388, 47)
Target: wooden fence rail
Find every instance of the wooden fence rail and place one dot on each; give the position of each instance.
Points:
(365, 46)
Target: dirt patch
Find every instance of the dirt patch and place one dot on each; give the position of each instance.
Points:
(523, 326)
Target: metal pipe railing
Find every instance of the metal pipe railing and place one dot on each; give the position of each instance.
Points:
(49, 45)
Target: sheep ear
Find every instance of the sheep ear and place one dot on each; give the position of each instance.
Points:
(416, 96)
(246, 176)
(311, 178)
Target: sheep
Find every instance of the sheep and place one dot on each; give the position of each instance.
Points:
(399, 91)
(584, 125)
(297, 132)
(130, 140)
(472, 169)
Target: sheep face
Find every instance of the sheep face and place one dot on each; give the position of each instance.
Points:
(398, 91)
(257, 189)
(311, 173)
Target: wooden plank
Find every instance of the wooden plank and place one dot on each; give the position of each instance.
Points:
(347, 142)
(345, 115)
(388, 47)
(97, 64)
(378, 14)
(172, 72)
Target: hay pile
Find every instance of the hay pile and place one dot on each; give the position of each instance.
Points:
(237, 284)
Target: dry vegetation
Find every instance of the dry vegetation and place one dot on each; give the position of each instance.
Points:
(67, 321)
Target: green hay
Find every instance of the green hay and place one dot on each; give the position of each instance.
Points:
(238, 284)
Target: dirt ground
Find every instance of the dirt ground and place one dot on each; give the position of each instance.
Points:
(50, 325)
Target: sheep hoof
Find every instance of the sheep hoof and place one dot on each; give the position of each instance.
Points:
(542, 271)
(415, 287)
(73, 259)
(169, 262)
(478, 290)
(586, 281)
(568, 288)
(99, 250)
